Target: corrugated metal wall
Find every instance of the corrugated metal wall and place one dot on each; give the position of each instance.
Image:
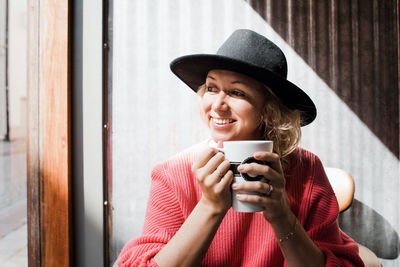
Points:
(353, 46)
(349, 73)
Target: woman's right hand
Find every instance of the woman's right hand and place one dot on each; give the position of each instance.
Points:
(212, 172)
(191, 242)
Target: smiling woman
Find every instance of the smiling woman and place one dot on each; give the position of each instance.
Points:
(245, 95)
(232, 106)
(277, 122)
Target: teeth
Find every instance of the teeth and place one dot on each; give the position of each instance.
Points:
(222, 121)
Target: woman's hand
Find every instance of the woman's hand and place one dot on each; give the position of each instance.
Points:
(274, 203)
(190, 243)
(212, 172)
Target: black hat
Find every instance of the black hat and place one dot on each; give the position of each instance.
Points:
(252, 54)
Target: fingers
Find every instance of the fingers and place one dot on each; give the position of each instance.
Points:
(255, 193)
(214, 162)
(204, 156)
(210, 167)
(264, 170)
(211, 170)
(224, 183)
(270, 196)
(272, 172)
(215, 170)
(262, 188)
(256, 199)
(220, 144)
(223, 167)
(272, 158)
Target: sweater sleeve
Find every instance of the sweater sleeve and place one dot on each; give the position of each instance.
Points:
(163, 219)
(322, 225)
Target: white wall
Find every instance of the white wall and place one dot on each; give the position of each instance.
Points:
(155, 115)
(17, 67)
(3, 60)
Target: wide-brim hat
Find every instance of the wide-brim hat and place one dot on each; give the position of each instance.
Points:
(252, 54)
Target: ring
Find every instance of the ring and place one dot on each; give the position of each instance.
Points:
(270, 189)
(221, 174)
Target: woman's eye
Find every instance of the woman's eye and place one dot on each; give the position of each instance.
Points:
(210, 89)
(238, 93)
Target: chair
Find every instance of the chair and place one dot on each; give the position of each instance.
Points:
(343, 186)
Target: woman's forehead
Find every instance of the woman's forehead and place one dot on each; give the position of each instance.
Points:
(232, 77)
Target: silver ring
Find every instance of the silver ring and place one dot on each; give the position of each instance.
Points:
(270, 189)
(220, 174)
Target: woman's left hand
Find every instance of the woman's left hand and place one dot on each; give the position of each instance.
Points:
(275, 202)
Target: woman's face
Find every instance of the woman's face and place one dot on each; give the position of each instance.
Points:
(232, 106)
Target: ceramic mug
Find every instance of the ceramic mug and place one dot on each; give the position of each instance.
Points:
(241, 152)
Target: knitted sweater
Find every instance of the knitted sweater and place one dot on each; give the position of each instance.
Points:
(243, 239)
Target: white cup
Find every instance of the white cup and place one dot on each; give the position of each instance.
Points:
(241, 152)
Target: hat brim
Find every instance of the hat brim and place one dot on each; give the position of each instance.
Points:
(193, 69)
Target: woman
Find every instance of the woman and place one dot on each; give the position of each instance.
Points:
(189, 221)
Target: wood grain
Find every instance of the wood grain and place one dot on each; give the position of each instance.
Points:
(33, 180)
(49, 163)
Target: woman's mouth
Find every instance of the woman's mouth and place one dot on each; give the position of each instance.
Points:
(219, 121)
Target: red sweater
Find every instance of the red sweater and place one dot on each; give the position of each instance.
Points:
(243, 239)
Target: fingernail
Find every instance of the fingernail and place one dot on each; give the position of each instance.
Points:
(257, 155)
(239, 196)
(235, 186)
(242, 167)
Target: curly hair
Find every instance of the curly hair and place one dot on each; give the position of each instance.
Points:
(281, 124)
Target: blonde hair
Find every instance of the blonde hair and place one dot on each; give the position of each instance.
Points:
(280, 124)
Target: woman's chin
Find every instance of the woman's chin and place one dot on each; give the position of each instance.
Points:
(218, 138)
(223, 137)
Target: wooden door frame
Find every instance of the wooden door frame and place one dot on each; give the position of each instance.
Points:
(65, 133)
(49, 133)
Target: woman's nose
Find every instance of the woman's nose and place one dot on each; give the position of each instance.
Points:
(220, 101)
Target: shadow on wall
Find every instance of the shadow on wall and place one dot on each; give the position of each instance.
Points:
(353, 47)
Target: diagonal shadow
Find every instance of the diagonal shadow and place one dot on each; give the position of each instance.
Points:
(353, 47)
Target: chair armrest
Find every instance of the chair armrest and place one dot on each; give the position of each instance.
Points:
(343, 186)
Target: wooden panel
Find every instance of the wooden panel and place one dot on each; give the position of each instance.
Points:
(49, 181)
(55, 134)
(33, 180)
(354, 47)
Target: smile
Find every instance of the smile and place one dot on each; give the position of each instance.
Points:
(222, 121)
